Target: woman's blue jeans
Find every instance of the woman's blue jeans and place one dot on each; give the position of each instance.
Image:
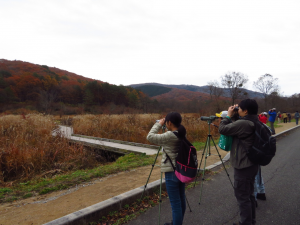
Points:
(176, 193)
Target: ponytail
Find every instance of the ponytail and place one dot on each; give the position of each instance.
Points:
(181, 131)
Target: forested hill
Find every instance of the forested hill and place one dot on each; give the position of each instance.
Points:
(202, 89)
(31, 83)
(153, 90)
(159, 92)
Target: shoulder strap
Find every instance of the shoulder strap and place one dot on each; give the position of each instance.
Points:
(168, 158)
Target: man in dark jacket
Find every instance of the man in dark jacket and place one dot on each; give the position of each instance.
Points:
(242, 131)
(297, 115)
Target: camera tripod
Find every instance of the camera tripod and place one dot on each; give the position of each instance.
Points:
(207, 152)
(160, 187)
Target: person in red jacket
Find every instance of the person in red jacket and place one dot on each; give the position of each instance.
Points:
(263, 118)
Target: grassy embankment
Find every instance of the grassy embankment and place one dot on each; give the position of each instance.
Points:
(275, 124)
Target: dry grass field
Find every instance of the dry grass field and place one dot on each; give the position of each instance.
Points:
(135, 127)
(27, 148)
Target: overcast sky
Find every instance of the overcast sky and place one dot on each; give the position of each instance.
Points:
(172, 42)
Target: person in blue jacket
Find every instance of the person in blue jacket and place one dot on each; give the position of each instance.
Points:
(297, 116)
(272, 114)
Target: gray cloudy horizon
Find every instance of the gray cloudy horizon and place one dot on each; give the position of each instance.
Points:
(171, 42)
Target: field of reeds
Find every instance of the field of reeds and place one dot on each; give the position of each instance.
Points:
(27, 148)
(135, 127)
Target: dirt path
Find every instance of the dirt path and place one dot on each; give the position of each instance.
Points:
(45, 208)
(284, 126)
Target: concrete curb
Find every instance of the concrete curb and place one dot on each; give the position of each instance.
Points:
(94, 212)
(286, 131)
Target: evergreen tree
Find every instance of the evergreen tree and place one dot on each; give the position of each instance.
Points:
(10, 95)
(88, 97)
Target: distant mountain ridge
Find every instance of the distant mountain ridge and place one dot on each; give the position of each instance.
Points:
(154, 90)
(202, 89)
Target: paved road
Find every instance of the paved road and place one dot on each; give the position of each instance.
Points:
(218, 204)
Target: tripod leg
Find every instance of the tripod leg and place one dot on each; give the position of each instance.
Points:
(200, 163)
(159, 199)
(203, 173)
(209, 153)
(188, 204)
(222, 162)
(150, 173)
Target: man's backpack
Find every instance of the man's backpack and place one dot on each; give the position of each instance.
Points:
(186, 161)
(264, 146)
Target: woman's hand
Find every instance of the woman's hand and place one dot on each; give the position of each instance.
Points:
(162, 121)
(231, 110)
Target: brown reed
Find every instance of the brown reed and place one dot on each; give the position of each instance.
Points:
(135, 127)
(27, 148)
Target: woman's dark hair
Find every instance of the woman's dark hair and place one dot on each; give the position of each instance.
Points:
(250, 105)
(175, 118)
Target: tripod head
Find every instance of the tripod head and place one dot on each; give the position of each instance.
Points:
(209, 119)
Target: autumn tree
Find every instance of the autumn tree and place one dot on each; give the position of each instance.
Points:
(88, 97)
(133, 97)
(5, 73)
(3, 83)
(215, 91)
(295, 100)
(235, 83)
(266, 84)
(27, 88)
(10, 95)
(47, 98)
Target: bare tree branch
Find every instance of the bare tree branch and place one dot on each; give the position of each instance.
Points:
(235, 82)
(266, 84)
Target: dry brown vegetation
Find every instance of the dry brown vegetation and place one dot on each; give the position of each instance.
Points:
(27, 148)
(135, 127)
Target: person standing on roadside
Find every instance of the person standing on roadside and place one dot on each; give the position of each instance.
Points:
(272, 114)
(171, 144)
(284, 117)
(242, 130)
(289, 116)
(296, 117)
(263, 118)
(279, 116)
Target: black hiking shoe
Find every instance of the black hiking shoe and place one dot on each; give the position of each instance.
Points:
(169, 223)
(261, 196)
